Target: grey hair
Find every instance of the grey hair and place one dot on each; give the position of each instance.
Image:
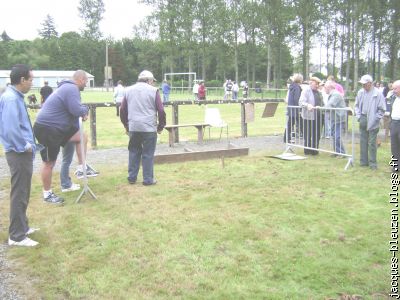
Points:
(297, 77)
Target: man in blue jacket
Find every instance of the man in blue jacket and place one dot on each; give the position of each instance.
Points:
(57, 123)
(18, 141)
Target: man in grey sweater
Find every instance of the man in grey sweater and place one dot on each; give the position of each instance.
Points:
(369, 107)
(139, 110)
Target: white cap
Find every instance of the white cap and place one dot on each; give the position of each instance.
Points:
(365, 79)
(146, 75)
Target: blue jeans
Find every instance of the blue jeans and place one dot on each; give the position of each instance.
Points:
(142, 146)
(68, 153)
(166, 97)
(337, 129)
(327, 125)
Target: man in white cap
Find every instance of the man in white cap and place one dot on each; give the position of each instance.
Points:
(369, 107)
(139, 110)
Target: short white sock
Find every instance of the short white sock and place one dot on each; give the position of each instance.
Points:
(79, 168)
(47, 193)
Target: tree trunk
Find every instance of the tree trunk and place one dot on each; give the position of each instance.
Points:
(342, 53)
(268, 66)
(327, 50)
(348, 46)
(394, 46)
(373, 49)
(356, 53)
(305, 48)
(379, 52)
(334, 53)
(236, 56)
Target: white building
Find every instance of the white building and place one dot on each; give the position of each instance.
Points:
(39, 77)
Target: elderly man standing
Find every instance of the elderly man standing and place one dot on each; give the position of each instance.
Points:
(369, 107)
(395, 124)
(19, 145)
(139, 110)
(310, 100)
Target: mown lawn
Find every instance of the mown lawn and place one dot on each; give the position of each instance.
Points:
(111, 133)
(259, 228)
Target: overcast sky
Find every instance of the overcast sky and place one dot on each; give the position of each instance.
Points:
(22, 19)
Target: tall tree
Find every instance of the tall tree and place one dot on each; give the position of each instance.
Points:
(309, 16)
(91, 11)
(394, 38)
(48, 29)
(5, 37)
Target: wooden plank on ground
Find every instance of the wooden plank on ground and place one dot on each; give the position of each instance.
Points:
(200, 155)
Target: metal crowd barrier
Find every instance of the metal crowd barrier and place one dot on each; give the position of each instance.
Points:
(321, 130)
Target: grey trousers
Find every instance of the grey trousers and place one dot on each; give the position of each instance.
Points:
(21, 169)
(368, 146)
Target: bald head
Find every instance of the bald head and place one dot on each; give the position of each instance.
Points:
(329, 86)
(80, 79)
(396, 88)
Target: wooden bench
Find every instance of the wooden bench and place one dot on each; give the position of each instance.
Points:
(171, 131)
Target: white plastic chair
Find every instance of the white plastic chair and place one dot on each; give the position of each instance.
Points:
(213, 117)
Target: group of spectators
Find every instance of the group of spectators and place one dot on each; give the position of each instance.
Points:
(315, 98)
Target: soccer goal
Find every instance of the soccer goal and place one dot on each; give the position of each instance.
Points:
(190, 77)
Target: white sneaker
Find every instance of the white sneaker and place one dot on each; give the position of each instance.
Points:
(73, 187)
(32, 230)
(27, 242)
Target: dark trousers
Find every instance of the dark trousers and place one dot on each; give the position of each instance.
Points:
(294, 120)
(368, 146)
(142, 146)
(21, 169)
(312, 135)
(395, 139)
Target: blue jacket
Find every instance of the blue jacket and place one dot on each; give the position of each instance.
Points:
(63, 108)
(16, 132)
(165, 88)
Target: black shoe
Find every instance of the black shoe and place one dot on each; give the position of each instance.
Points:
(150, 183)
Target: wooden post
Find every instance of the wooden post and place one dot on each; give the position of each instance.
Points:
(92, 114)
(175, 120)
(243, 119)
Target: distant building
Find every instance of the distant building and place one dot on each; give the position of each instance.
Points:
(39, 77)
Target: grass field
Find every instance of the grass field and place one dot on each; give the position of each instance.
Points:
(111, 133)
(259, 228)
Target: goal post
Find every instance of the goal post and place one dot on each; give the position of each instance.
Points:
(190, 75)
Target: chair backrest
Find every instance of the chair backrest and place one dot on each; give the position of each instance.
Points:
(213, 117)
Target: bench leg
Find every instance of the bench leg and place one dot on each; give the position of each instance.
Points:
(171, 136)
(200, 134)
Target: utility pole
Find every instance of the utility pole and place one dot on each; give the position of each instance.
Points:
(106, 72)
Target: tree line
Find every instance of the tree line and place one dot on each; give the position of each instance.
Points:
(219, 39)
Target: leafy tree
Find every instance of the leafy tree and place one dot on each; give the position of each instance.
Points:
(91, 11)
(5, 37)
(48, 29)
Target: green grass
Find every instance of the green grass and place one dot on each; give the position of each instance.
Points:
(260, 228)
(111, 133)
